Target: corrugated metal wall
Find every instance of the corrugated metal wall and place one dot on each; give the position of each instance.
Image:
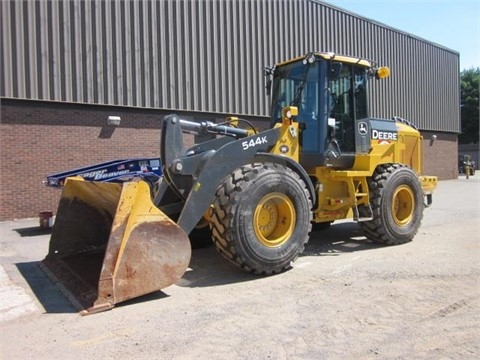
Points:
(206, 55)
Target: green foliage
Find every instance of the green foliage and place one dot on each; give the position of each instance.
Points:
(469, 92)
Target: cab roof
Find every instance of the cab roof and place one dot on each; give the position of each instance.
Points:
(332, 56)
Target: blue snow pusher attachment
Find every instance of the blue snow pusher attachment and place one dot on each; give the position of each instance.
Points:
(148, 169)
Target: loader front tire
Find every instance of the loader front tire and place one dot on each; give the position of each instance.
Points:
(262, 218)
(396, 198)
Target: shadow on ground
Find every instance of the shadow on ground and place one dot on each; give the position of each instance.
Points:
(207, 267)
(33, 231)
(54, 300)
(49, 296)
(345, 237)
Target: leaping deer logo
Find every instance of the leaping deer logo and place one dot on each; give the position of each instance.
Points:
(362, 128)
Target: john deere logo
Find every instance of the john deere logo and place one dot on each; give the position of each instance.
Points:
(362, 128)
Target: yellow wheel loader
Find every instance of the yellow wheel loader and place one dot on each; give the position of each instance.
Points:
(322, 159)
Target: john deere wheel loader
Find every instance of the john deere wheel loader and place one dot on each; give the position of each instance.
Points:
(322, 159)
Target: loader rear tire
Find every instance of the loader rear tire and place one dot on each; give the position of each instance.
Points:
(396, 198)
(262, 218)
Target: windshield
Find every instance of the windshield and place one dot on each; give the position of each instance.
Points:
(296, 84)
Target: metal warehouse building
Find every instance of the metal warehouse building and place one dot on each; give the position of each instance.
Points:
(67, 65)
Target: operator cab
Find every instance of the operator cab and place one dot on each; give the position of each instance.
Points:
(330, 93)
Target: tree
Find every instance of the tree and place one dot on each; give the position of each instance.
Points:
(469, 93)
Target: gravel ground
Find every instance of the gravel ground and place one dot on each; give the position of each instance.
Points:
(345, 298)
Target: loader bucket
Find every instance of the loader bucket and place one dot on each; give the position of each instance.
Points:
(110, 243)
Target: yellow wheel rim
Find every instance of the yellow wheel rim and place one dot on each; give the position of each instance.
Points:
(274, 219)
(403, 205)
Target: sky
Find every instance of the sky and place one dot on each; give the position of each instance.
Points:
(454, 24)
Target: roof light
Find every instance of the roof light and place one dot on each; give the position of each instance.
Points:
(309, 59)
(383, 72)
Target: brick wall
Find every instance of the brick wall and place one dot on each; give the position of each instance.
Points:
(441, 156)
(39, 138)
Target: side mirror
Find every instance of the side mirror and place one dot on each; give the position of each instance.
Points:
(268, 86)
(268, 71)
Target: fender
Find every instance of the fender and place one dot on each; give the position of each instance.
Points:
(293, 165)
